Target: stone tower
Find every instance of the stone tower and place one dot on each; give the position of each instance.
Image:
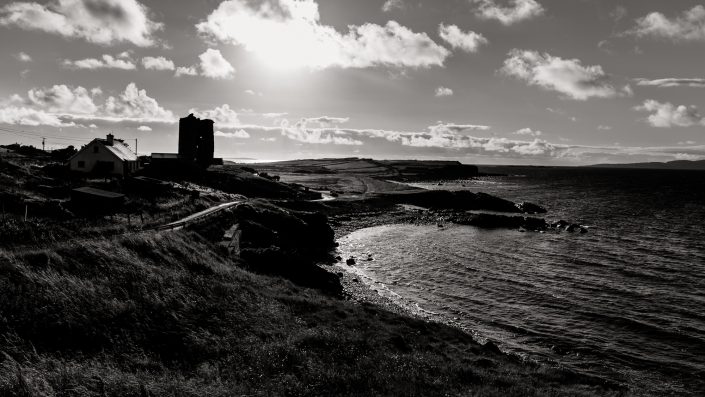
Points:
(196, 140)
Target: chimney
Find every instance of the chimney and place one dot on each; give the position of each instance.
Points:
(110, 139)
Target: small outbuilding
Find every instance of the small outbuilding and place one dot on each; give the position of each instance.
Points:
(92, 199)
(108, 156)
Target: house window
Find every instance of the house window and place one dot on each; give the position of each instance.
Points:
(81, 164)
(95, 149)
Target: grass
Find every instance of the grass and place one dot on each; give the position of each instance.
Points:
(169, 314)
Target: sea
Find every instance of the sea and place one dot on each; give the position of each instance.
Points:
(624, 302)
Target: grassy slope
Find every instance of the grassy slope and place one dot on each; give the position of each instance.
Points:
(169, 315)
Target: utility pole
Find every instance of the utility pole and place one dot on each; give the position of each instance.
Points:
(136, 147)
(43, 139)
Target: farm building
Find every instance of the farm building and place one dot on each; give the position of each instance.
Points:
(108, 156)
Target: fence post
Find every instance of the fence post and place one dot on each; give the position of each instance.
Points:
(25, 212)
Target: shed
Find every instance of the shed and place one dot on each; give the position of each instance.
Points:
(90, 198)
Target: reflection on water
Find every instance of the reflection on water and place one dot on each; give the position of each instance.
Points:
(624, 301)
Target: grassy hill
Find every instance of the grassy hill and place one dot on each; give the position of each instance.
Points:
(169, 314)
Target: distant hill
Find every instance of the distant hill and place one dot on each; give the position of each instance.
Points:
(671, 165)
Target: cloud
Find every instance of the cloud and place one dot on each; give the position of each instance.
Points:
(528, 131)
(224, 116)
(240, 134)
(62, 99)
(106, 62)
(186, 71)
(158, 63)
(327, 121)
(567, 76)
(443, 91)
(215, 66)
(391, 5)
(468, 42)
(519, 10)
(672, 82)
(689, 26)
(30, 117)
(273, 115)
(604, 128)
(452, 136)
(252, 92)
(23, 57)
(144, 128)
(667, 115)
(618, 13)
(688, 156)
(135, 104)
(97, 21)
(301, 132)
(289, 33)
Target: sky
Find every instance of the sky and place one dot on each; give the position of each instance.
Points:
(540, 82)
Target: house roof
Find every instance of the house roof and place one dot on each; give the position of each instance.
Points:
(120, 149)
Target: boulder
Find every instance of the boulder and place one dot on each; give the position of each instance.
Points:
(530, 208)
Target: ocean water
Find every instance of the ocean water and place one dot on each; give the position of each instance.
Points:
(624, 302)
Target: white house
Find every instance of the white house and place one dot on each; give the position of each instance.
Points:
(108, 156)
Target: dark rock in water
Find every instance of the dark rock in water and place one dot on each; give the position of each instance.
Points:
(535, 224)
(369, 258)
(572, 228)
(350, 261)
(493, 221)
(355, 280)
(530, 208)
(457, 200)
(338, 258)
(559, 224)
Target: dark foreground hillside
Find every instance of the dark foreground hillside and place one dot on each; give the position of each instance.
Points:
(170, 315)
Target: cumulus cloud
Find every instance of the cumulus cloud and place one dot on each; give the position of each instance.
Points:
(301, 132)
(97, 21)
(289, 32)
(391, 5)
(517, 11)
(62, 99)
(240, 134)
(672, 82)
(122, 62)
(23, 57)
(443, 91)
(215, 66)
(689, 26)
(528, 131)
(144, 128)
(604, 127)
(666, 115)
(465, 41)
(567, 76)
(223, 116)
(157, 63)
(134, 104)
(31, 117)
(61, 105)
(186, 71)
